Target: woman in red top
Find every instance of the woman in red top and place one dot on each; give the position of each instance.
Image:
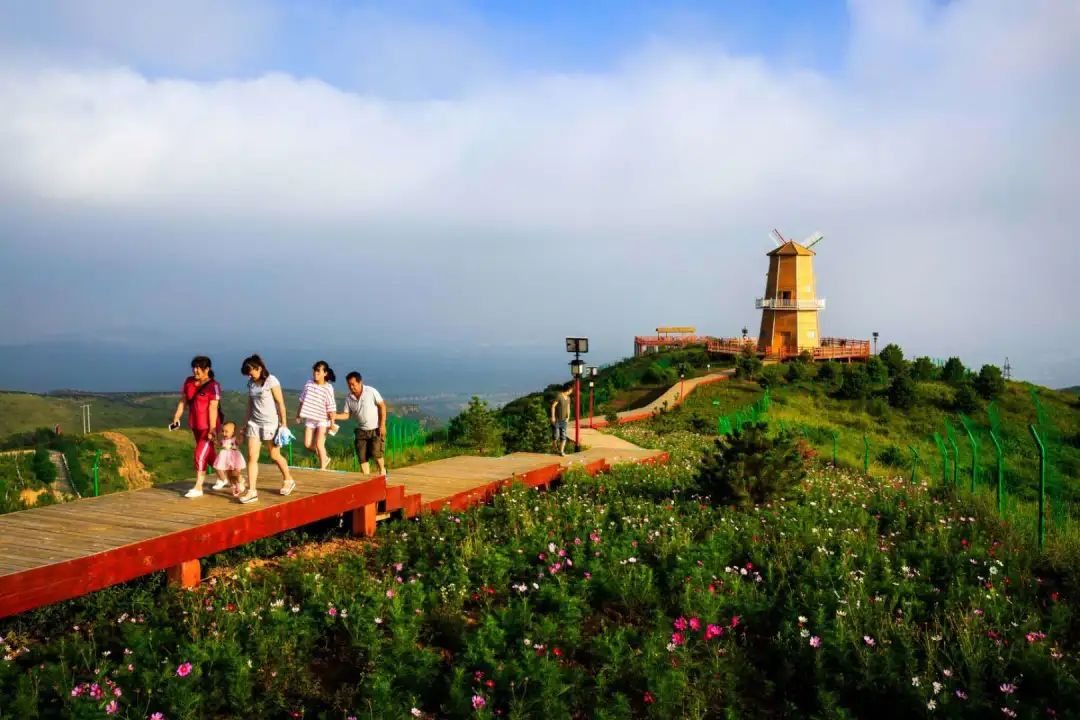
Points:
(200, 395)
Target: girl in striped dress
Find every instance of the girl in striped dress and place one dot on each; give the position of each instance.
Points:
(317, 409)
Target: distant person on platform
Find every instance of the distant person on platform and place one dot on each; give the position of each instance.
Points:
(365, 405)
(201, 395)
(560, 416)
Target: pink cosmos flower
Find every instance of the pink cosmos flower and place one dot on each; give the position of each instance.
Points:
(868, 640)
(961, 694)
(157, 716)
(389, 593)
(713, 631)
(1007, 688)
(184, 669)
(112, 707)
(332, 612)
(680, 623)
(815, 641)
(478, 702)
(735, 621)
(695, 624)
(648, 698)
(677, 638)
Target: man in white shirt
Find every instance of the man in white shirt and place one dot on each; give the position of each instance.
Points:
(365, 405)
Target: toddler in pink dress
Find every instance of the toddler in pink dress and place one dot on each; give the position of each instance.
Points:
(229, 458)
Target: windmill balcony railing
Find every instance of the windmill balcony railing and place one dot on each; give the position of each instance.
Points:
(787, 304)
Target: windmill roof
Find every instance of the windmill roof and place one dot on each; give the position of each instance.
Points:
(791, 248)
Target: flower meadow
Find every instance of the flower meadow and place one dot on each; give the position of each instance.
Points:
(623, 595)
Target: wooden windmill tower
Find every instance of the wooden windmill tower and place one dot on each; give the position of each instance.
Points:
(790, 306)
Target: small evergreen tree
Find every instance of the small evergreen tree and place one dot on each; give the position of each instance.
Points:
(747, 364)
(902, 392)
(529, 429)
(477, 428)
(923, 369)
(798, 370)
(893, 357)
(749, 467)
(877, 374)
(989, 383)
(954, 371)
(769, 376)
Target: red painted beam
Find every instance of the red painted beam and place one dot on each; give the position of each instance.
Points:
(26, 590)
(395, 499)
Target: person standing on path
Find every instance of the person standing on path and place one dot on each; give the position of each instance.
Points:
(366, 406)
(265, 414)
(317, 409)
(201, 395)
(560, 416)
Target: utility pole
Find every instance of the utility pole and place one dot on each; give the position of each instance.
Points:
(85, 418)
(1007, 369)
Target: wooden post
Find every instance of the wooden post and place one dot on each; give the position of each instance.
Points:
(184, 575)
(363, 520)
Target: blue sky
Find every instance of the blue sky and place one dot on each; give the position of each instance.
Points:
(458, 175)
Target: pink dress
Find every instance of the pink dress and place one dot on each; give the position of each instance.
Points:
(229, 457)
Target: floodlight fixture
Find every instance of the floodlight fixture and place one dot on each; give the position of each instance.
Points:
(577, 345)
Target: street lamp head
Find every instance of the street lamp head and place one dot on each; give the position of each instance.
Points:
(577, 367)
(744, 332)
(592, 371)
(875, 333)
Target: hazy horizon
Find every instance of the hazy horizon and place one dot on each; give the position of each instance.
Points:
(444, 180)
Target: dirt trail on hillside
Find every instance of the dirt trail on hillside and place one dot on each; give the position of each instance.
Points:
(131, 468)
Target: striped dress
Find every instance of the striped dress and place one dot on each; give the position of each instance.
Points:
(316, 401)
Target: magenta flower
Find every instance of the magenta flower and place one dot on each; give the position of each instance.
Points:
(478, 702)
(648, 698)
(868, 640)
(157, 716)
(389, 593)
(695, 624)
(112, 707)
(184, 669)
(332, 612)
(713, 631)
(677, 638)
(1007, 688)
(815, 641)
(680, 623)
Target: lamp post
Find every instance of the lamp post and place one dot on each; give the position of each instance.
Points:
(744, 332)
(682, 382)
(592, 374)
(577, 346)
(875, 341)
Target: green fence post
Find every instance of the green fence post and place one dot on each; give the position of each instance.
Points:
(97, 461)
(974, 449)
(835, 435)
(866, 455)
(944, 459)
(1000, 475)
(290, 454)
(1042, 485)
(914, 463)
(955, 454)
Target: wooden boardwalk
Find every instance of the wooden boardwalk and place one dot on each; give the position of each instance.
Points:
(58, 552)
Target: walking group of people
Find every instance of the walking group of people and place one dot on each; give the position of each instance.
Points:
(218, 442)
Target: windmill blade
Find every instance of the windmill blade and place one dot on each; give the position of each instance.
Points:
(776, 237)
(813, 240)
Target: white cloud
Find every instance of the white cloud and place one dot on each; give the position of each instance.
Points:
(940, 163)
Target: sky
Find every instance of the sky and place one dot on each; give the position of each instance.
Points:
(447, 177)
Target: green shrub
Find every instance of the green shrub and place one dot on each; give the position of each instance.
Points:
(876, 372)
(989, 383)
(923, 369)
(751, 467)
(770, 376)
(954, 371)
(528, 429)
(854, 384)
(902, 392)
(747, 365)
(798, 370)
(44, 470)
(965, 399)
(893, 358)
(892, 456)
(657, 374)
(828, 372)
